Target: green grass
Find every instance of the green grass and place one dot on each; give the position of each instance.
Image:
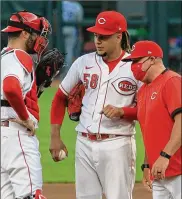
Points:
(140, 153)
(64, 171)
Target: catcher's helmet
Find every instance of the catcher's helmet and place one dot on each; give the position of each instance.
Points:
(24, 20)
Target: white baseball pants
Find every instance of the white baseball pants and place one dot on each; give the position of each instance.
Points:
(106, 166)
(21, 171)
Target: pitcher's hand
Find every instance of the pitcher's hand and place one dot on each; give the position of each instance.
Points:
(112, 112)
(56, 145)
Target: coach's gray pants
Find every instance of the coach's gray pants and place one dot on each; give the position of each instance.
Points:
(169, 188)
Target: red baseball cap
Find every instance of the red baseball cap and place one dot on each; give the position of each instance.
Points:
(144, 49)
(108, 23)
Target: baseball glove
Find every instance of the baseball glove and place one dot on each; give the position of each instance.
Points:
(75, 101)
(48, 67)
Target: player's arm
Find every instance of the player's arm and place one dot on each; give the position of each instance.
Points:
(146, 173)
(18, 65)
(14, 77)
(59, 102)
(130, 113)
(145, 158)
(172, 97)
(13, 93)
(58, 108)
(175, 140)
(57, 112)
(57, 115)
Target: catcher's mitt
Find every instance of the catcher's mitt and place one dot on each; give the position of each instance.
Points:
(48, 67)
(75, 101)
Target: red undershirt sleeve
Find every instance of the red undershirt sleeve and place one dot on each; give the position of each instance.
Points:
(58, 107)
(12, 91)
(130, 113)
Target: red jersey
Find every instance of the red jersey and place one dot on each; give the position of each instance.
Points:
(158, 103)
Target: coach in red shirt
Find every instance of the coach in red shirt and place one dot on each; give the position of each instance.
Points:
(159, 114)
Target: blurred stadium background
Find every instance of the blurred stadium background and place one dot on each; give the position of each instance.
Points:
(156, 20)
(160, 21)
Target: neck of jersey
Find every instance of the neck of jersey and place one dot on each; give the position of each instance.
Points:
(112, 64)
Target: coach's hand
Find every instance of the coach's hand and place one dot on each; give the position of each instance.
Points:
(146, 179)
(159, 168)
(56, 144)
(112, 112)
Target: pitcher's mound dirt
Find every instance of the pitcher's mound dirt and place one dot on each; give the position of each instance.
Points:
(67, 191)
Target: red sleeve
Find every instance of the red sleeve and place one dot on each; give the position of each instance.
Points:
(172, 95)
(58, 107)
(13, 93)
(130, 113)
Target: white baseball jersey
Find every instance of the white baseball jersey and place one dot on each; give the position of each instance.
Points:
(11, 66)
(117, 88)
(21, 171)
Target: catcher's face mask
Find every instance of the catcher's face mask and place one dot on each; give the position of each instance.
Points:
(42, 41)
(24, 20)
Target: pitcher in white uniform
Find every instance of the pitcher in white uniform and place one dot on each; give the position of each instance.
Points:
(105, 148)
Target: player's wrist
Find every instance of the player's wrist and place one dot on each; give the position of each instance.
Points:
(23, 116)
(55, 131)
(121, 111)
(165, 155)
(145, 166)
(55, 135)
(26, 120)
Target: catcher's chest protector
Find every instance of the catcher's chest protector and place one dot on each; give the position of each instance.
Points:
(30, 92)
(32, 101)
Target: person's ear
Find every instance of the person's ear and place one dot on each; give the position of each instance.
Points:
(119, 37)
(25, 34)
(152, 58)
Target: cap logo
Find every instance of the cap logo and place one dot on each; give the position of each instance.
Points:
(101, 21)
(133, 48)
(149, 52)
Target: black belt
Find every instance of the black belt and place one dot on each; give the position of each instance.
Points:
(29, 197)
(5, 103)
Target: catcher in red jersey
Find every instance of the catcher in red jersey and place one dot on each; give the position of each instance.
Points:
(21, 171)
(159, 114)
